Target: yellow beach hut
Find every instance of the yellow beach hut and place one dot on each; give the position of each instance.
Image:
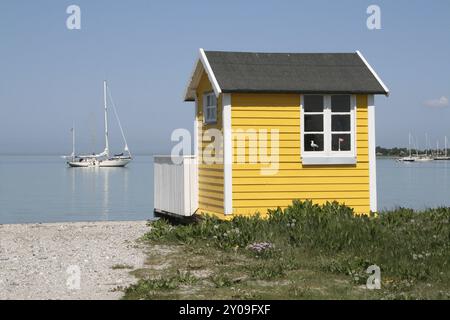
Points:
(273, 127)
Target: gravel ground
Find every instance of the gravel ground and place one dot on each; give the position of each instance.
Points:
(69, 260)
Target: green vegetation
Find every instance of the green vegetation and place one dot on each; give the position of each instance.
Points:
(392, 152)
(402, 152)
(303, 252)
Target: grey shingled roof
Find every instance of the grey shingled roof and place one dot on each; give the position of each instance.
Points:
(293, 72)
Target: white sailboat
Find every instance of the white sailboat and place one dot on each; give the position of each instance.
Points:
(445, 156)
(103, 159)
(410, 158)
(424, 157)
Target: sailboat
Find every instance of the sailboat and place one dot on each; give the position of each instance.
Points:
(424, 157)
(445, 156)
(103, 159)
(410, 158)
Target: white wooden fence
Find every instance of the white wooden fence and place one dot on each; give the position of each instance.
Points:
(175, 185)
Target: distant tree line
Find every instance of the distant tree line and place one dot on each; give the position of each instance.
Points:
(401, 152)
(392, 152)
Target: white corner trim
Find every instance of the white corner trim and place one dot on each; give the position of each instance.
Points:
(196, 129)
(373, 72)
(227, 155)
(372, 154)
(210, 73)
(195, 162)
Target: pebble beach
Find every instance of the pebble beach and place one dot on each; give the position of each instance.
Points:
(81, 260)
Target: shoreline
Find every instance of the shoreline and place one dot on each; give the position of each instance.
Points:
(69, 260)
(24, 224)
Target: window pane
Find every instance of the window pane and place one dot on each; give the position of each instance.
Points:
(313, 142)
(313, 122)
(313, 103)
(340, 142)
(340, 103)
(210, 100)
(340, 123)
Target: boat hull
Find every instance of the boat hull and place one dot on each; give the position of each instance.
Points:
(108, 163)
(81, 164)
(114, 163)
(424, 159)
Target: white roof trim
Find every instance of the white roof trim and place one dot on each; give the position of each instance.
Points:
(195, 77)
(373, 72)
(210, 73)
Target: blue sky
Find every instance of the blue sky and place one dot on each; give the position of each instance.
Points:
(51, 76)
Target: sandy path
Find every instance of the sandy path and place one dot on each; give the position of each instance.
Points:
(41, 261)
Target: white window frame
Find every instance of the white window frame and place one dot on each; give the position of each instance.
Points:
(327, 156)
(206, 107)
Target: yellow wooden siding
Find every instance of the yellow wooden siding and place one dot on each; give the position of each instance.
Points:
(254, 192)
(210, 175)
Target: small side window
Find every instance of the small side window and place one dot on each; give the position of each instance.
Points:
(210, 107)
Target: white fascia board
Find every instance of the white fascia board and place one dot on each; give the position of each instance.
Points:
(210, 73)
(373, 72)
(196, 128)
(227, 154)
(372, 153)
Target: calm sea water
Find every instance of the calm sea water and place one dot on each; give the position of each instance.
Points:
(416, 185)
(43, 189)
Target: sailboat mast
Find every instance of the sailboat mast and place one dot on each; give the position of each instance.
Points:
(445, 142)
(416, 146)
(73, 142)
(106, 119)
(409, 144)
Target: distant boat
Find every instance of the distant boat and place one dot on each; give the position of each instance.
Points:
(445, 156)
(103, 159)
(409, 158)
(423, 158)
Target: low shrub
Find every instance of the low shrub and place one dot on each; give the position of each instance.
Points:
(148, 287)
(403, 243)
(221, 281)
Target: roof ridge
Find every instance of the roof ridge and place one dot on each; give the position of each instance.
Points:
(260, 52)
